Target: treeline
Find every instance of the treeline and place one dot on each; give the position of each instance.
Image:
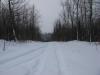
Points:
(18, 21)
(80, 20)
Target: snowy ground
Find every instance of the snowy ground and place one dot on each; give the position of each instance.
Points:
(52, 58)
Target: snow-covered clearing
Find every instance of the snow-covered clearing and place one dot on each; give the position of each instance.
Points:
(51, 58)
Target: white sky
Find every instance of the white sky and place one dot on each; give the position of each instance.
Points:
(49, 11)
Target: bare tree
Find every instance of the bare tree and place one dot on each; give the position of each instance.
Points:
(12, 19)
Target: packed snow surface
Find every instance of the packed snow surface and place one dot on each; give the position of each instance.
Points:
(51, 58)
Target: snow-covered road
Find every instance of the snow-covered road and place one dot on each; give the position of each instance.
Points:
(63, 58)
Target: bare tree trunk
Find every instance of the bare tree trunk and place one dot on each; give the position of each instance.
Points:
(0, 10)
(77, 7)
(11, 12)
(90, 18)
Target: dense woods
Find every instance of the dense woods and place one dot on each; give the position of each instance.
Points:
(18, 21)
(80, 20)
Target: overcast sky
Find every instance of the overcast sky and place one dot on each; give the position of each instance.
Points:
(49, 11)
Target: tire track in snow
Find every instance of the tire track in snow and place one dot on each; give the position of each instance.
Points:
(10, 51)
(49, 63)
(21, 55)
(21, 60)
(61, 60)
(58, 62)
(31, 56)
(41, 64)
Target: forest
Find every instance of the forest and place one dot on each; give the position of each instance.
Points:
(79, 20)
(18, 21)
